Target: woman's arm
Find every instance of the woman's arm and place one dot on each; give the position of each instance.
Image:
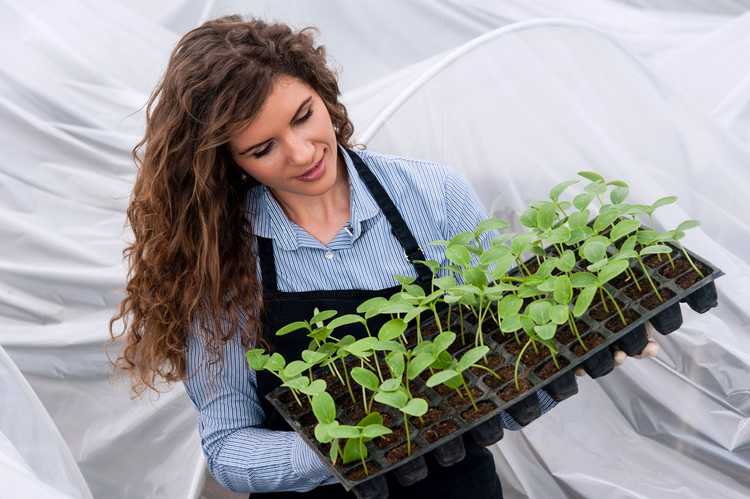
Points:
(242, 456)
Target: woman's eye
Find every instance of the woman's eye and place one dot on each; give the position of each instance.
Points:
(262, 153)
(305, 117)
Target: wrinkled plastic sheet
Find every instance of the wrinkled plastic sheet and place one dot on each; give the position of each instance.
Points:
(655, 96)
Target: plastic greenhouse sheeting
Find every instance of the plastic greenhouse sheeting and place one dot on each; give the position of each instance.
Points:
(653, 92)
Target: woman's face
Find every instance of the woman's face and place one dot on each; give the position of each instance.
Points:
(290, 145)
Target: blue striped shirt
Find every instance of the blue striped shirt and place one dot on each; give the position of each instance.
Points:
(435, 201)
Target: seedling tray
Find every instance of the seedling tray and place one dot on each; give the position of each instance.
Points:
(598, 328)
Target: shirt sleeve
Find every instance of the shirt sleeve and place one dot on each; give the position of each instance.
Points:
(463, 211)
(242, 455)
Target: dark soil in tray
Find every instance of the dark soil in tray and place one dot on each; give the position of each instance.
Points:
(401, 452)
(461, 398)
(359, 473)
(493, 361)
(638, 290)
(483, 407)
(510, 392)
(440, 430)
(548, 368)
(564, 335)
(458, 345)
(692, 277)
(591, 341)
(505, 374)
(681, 265)
(615, 323)
(388, 440)
(530, 357)
(600, 312)
(655, 261)
(625, 279)
(652, 301)
(432, 415)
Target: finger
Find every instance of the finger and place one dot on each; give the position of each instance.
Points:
(651, 350)
(620, 357)
(580, 372)
(650, 330)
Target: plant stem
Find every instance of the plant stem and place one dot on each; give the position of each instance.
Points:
(468, 392)
(362, 455)
(604, 301)
(485, 368)
(617, 307)
(650, 281)
(574, 328)
(634, 277)
(348, 385)
(518, 363)
(408, 438)
(691, 262)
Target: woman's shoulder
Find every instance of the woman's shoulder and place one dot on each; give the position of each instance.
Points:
(400, 174)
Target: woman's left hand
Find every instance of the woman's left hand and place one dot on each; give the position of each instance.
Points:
(650, 350)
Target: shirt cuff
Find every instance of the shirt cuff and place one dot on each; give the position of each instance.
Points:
(306, 463)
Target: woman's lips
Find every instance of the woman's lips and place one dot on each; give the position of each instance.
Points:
(315, 172)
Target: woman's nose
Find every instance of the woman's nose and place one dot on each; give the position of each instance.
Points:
(300, 151)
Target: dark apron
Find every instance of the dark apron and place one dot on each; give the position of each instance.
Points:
(475, 476)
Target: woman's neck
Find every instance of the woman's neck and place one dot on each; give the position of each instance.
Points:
(322, 216)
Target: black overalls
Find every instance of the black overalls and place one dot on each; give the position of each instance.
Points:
(475, 476)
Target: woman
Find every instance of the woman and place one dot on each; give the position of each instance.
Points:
(250, 209)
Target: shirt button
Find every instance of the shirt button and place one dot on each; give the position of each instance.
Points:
(329, 255)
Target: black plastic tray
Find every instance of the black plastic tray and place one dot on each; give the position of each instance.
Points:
(524, 404)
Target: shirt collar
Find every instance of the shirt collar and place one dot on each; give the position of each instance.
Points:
(269, 220)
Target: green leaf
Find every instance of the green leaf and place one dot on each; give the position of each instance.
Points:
(605, 219)
(462, 238)
(276, 362)
(345, 431)
(545, 216)
(510, 323)
(502, 265)
(353, 451)
(548, 285)
(490, 224)
(396, 399)
(472, 356)
(596, 188)
(594, 250)
(295, 368)
(390, 385)
(334, 452)
(257, 359)
(321, 433)
(554, 194)
(493, 254)
(404, 280)
(623, 228)
(521, 242)
(441, 377)
(365, 377)
(476, 277)
(324, 408)
(363, 346)
(373, 418)
(297, 383)
(445, 282)
(629, 244)
(558, 314)
(595, 267)
(578, 219)
(291, 327)
(458, 255)
(611, 270)
(582, 200)
(539, 311)
(373, 304)
(559, 235)
(395, 361)
(580, 234)
(618, 194)
(312, 357)
(663, 202)
(322, 316)
(444, 340)
(688, 224)
(585, 297)
(567, 261)
(345, 320)
(418, 364)
(582, 279)
(416, 407)
(592, 176)
(392, 329)
(528, 218)
(314, 388)
(656, 249)
(375, 430)
(545, 332)
(563, 290)
(510, 305)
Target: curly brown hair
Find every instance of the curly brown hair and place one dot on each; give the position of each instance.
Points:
(191, 265)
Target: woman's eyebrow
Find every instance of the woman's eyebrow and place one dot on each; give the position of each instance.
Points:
(296, 113)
